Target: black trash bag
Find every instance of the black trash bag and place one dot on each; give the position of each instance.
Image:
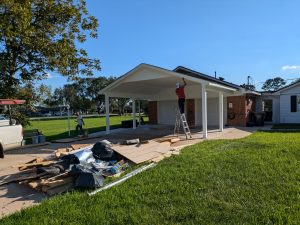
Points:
(86, 178)
(68, 160)
(103, 152)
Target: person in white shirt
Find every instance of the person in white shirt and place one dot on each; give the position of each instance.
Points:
(80, 123)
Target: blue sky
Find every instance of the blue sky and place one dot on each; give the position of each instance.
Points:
(236, 38)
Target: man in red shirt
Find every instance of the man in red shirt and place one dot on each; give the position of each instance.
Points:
(181, 96)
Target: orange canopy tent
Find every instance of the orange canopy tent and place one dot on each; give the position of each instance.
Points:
(11, 102)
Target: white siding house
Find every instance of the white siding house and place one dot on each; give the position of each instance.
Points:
(285, 104)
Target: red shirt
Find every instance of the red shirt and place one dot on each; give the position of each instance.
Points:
(180, 92)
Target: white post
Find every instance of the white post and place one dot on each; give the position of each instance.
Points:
(204, 111)
(107, 113)
(221, 116)
(140, 122)
(133, 114)
(68, 107)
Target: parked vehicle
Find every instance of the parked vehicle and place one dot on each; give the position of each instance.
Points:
(3, 117)
(47, 114)
(11, 135)
(60, 114)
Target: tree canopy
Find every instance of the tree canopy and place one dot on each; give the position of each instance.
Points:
(82, 94)
(274, 84)
(250, 87)
(37, 36)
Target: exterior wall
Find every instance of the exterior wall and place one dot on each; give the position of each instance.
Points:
(286, 116)
(275, 109)
(152, 107)
(193, 108)
(239, 109)
(166, 112)
(190, 110)
(212, 112)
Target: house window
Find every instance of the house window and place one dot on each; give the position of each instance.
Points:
(294, 103)
(298, 103)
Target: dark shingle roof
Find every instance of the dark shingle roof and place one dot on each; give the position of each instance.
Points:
(195, 74)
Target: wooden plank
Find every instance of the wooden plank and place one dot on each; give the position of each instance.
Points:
(63, 150)
(142, 153)
(22, 177)
(35, 184)
(174, 140)
(55, 183)
(79, 146)
(59, 189)
(57, 177)
(30, 165)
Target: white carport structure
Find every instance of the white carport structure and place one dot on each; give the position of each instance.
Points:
(147, 82)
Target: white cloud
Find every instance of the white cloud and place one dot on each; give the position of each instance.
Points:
(290, 67)
(49, 76)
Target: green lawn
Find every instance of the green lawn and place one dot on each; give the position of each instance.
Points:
(56, 129)
(255, 180)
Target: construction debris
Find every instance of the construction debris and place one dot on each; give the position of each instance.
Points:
(126, 177)
(87, 166)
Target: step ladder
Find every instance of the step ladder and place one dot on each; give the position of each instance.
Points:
(181, 120)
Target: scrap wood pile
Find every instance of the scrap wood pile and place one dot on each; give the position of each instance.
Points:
(87, 166)
(69, 168)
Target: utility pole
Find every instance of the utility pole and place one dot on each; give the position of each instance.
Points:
(68, 107)
(248, 81)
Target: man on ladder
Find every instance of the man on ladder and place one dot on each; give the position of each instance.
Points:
(180, 116)
(181, 95)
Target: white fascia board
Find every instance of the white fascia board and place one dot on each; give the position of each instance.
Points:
(222, 86)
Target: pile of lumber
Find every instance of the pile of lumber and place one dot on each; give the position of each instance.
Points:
(45, 182)
(51, 185)
(48, 183)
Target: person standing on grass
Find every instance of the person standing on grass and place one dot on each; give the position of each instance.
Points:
(181, 95)
(80, 123)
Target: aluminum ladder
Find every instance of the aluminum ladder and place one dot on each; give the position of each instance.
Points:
(181, 120)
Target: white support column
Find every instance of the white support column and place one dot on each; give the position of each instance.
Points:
(204, 111)
(140, 122)
(221, 116)
(107, 114)
(133, 114)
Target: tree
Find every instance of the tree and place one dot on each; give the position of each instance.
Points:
(250, 87)
(43, 93)
(82, 94)
(38, 36)
(273, 84)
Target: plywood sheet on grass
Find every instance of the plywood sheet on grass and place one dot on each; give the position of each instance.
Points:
(142, 152)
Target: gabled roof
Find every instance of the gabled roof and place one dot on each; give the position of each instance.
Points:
(195, 74)
(287, 87)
